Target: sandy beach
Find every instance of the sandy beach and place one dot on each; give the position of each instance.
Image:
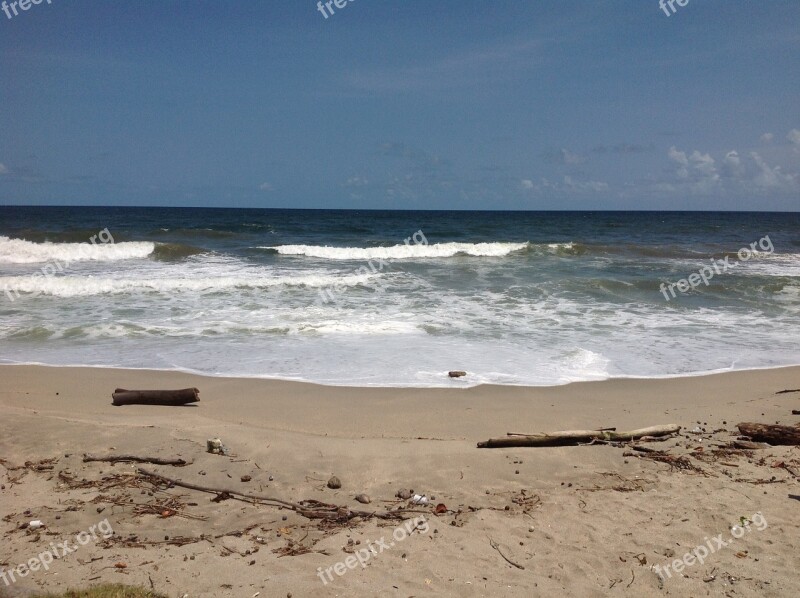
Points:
(583, 520)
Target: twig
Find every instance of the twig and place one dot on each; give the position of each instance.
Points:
(494, 545)
(154, 460)
(645, 449)
(312, 509)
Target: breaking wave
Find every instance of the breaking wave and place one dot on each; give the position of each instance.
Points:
(20, 251)
(400, 252)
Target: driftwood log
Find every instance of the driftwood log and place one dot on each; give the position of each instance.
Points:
(572, 437)
(134, 458)
(771, 433)
(155, 397)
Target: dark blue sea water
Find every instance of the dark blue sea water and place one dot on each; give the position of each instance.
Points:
(399, 297)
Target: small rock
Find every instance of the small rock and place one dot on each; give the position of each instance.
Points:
(363, 499)
(334, 483)
(271, 478)
(404, 494)
(456, 374)
(246, 478)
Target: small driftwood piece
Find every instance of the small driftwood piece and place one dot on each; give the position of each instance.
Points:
(135, 459)
(749, 446)
(310, 509)
(795, 411)
(573, 437)
(771, 433)
(183, 396)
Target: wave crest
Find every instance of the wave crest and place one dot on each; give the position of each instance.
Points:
(400, 252)
(84, 286)
(20, 251)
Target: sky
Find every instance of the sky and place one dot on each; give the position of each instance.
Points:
(393, 104)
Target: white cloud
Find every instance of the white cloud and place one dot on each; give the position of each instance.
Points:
(703, 163)
(698, 170)
(3, 169)
(356, 181)
(680, 158)
(773, 178)
(794, 137)
(573, 185)
(265, 186)
(767, 138)
(567, 185)
(562, 156)
(732, 165)
(570, 158)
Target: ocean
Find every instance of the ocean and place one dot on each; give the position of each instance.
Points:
(398, 298)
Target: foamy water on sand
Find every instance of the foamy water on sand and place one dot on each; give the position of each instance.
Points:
(345, 298)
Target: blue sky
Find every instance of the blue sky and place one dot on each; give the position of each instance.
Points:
(402, 104)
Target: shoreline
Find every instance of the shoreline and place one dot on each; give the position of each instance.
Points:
(574, 517)
(457, 383)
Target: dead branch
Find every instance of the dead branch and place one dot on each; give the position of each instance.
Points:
(311, 509)
(573, 437)
(134, 458)
(674, 461)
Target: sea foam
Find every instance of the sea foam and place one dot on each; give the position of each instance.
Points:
(400, 252)
(19, 251)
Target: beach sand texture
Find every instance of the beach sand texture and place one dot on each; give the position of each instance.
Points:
(578, 521)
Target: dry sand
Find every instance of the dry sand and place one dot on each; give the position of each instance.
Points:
(579, 521)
